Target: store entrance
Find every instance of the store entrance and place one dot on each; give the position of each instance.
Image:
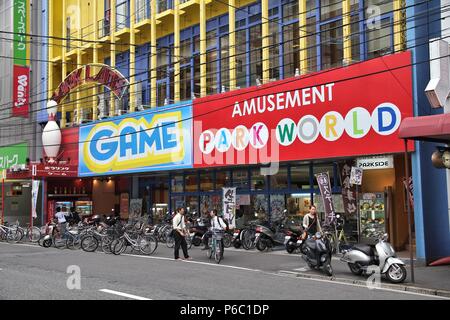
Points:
(155, 198)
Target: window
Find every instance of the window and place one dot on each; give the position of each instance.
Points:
(191, 183)
(197, 75)
(240, 179)
(258, 180)
(241, 64)
(280, 179)
(206, 181)
(277, 206)
(161, 94)
(311, 44)
(260, 207)
(355, 38)
(290, 11)
(224, 61)
(379, 40)
(185, 51)
(222, 179)
(211, 39)
(330, 9)
(331, 45)
(274, 51)
(192, 204)
(141, 10)
(300, 177)
(291, 50)
(162, 63)
(122, 15)
(383, 5)
(185, 84)
(255, 54)
(177, 183)
(211, 72)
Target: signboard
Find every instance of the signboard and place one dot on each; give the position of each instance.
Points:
(21, 91)
(348, 189)
(408, 184)
(372, 163)
(92, 73)
(55, 170)
(351, 111)
(142, 143)
(356, 176)
(229, 206)
(13, 155)
(323, 180)
(124, 204)
(20, 15)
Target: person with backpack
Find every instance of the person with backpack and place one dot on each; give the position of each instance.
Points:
(218, 224)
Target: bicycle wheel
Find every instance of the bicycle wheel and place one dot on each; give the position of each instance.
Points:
(145, 243)
(14, 235)
(33, 234)
(89, 243)
(227, 240)
(118, 246)
(248, 239)
(218, 251)
(106, 244)
(73, 243)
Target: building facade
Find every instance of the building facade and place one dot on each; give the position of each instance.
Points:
(168, 102)
(20, 95)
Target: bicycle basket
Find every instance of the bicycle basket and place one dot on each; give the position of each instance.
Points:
(218, 234)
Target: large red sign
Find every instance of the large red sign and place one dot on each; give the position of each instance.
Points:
(344, 112)
(21, 91)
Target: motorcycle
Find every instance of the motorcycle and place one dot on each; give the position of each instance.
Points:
(198, 232)
(292, 241)
(237, 238)
(361, 257)
(316, 251)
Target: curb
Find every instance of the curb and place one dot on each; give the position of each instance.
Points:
(427, 291)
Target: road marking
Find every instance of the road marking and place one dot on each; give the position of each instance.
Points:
(122, 294)
(361, 286)
(301, 269)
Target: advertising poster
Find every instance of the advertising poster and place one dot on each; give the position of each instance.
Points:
(323, 180)
(34, 197)
(229, 206)
(135, 208)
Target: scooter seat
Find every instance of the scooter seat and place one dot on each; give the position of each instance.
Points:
(310, 243)
(364, 248)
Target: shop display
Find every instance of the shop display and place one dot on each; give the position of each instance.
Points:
(372, 217)
(84, 208)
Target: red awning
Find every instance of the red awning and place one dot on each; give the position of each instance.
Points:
(427, 128)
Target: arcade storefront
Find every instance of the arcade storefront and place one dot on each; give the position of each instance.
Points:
(269, 141)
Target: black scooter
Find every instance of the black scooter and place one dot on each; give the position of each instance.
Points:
(292, 241)
(317, 252)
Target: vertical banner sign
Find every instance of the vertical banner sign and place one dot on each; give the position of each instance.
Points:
(124, 204)
(135, 208)
(20, 29)
(34, 195)
(323, 179)
(21, 72)
(229, 206)
(348, 189)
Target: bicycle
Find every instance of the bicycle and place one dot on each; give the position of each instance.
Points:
(11, 233)
(138, 240)
(215, 245)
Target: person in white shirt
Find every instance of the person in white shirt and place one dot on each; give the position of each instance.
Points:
(179, 228)
(61, 221)
(217, 223)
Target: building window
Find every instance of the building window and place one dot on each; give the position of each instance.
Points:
(300, 178)
(379, 40)
(277, 206)
(311, 44)
(224, 61)
(255, 54)
(185, 84)
(240, 179)
(331, 45)
(260, 207)
(290, 11)
(162, 93)
(330, 9)
(122, 15)
(197, 75)
(280, 179)
(274, 51)
(382, 5)
(241, 64)
(211, 72)
(356, 52)
(142, 11)
(291, 49)
(211, 39)
(207, 181)
(258, 180)
(222, 179)
(191, 182)
(192, 205)
(177, 183)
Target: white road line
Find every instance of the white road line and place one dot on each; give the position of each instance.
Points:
(197, 262)
(23, 245)
(126, 295)
(362, 286)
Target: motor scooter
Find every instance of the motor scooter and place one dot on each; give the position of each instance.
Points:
(292, 241)
(317, 251)
(361, 258)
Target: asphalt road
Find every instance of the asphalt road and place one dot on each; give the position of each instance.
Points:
(33, 272)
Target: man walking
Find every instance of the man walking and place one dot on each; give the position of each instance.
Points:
(179, 229)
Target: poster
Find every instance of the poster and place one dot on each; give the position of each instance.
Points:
(229, 206)
(135, 208)
(124, 204)
(348, 189)
(356, 176)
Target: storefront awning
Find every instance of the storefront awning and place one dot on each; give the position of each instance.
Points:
(427, 128)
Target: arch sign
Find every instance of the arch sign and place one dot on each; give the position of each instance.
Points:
(92, 73)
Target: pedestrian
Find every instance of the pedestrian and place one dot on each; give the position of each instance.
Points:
(179, 233)
(61, 222)
(311, 222)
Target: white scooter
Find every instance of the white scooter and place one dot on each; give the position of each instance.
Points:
(360, 257)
